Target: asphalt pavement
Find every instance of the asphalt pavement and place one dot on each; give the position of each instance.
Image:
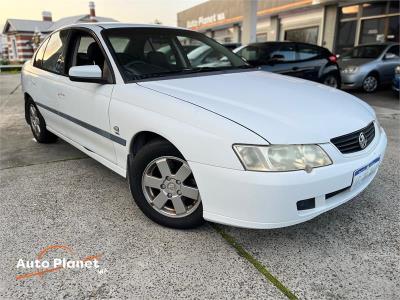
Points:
(54, 195)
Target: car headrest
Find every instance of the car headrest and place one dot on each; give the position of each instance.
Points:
(95, 55)
(157, 58)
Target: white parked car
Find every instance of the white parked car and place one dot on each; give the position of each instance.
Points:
(229, 144)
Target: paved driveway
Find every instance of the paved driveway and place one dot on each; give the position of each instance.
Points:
(55, 195)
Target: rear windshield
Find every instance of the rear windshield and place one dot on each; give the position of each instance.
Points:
(157, 52)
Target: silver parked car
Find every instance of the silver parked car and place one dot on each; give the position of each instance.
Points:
(369, 66)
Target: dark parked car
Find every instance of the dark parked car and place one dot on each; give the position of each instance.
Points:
(232, 46)
(294, 59)
(396, 81)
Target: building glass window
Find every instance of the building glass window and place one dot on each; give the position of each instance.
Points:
(305, 35)
(261, 37)
(372, 30)
(223, 35)
(374, 9)
(14, 45)
(394, 7)
(393, 29)
(346, 36)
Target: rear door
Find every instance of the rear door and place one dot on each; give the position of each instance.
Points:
(50, 66)
(85, 105)
(282, 59)
(310, 61)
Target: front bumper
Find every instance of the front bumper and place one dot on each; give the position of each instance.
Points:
(351, 81)
(269, 200)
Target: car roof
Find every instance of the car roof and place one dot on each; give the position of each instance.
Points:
(379, 44)
(109, 25)
(281, 42)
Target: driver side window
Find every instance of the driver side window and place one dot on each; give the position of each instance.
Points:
(394, 50)
(84, 50)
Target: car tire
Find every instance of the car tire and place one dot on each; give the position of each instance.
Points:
(163, 186)
(331, 80)
(370, 83)
(38, 126)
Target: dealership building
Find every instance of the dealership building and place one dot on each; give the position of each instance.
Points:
(336, 25)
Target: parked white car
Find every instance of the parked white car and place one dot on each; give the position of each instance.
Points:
(229, 144)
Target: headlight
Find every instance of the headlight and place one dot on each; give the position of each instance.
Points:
(350, 70)
(279, 158)
(397, 70)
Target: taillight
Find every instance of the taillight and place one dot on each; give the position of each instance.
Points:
(333, 58)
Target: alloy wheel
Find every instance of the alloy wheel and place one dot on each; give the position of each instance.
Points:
(169, 187)
(370, 83)
(331, 81)
(34, 118)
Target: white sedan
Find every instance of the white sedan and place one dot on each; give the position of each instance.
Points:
(225, 143)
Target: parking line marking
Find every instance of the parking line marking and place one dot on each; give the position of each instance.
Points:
(258, 265)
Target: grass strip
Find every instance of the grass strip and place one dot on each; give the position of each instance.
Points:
(258, 265)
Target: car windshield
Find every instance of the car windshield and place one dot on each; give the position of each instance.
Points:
(157, 52)
(372, 51)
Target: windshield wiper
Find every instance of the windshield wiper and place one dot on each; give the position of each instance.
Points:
(222, 68)
(190, 71)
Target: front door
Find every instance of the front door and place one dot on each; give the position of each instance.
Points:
(84, 105)
(390, 61)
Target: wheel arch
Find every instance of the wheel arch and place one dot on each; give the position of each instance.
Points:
(144, 137)
(374, 72)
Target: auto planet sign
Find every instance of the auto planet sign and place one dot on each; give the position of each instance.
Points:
(205, 20)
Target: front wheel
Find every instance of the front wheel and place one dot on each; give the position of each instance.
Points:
(370, 83)
(163, 186)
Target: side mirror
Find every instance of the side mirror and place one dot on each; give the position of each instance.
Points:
(389, 56)
(89, 73)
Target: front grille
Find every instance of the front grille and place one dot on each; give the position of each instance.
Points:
(349, 143)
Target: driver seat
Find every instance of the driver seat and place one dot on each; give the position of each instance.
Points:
(95, 56)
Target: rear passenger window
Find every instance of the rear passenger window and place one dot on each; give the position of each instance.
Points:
(285, 53)
(306, 52)
(53, 59)
(39, 55)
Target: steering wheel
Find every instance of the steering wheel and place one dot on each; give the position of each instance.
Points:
(132, 64)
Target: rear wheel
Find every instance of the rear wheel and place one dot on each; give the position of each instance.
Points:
(370, 83)
(163, 186)
(38, 126)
